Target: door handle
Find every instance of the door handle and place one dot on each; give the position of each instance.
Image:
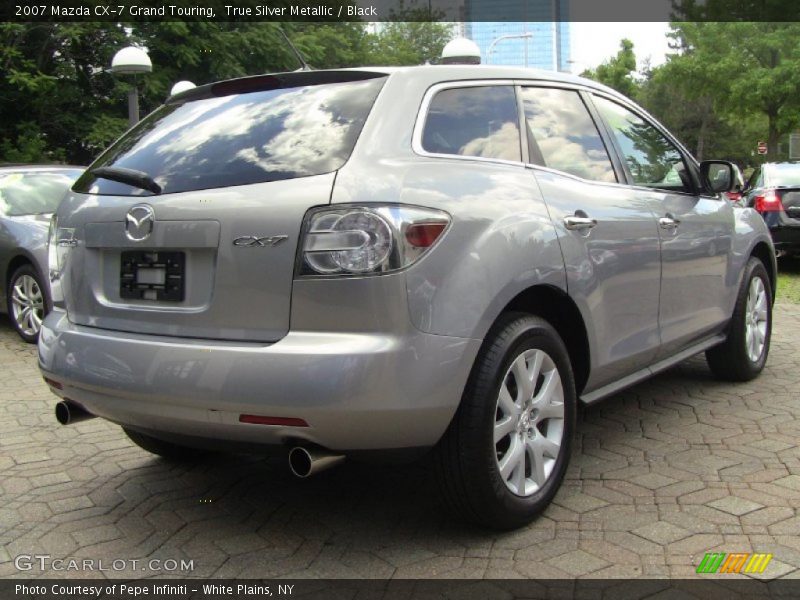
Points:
(579, 222)
(669, 222)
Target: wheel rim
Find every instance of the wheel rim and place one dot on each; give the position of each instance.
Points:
(27, 305)
(756, 320)
(529, 422)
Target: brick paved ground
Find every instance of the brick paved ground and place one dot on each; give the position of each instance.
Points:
(661, 474)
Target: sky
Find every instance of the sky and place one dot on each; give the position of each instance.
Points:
(593, 43)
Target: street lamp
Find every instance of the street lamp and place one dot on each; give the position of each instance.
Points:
(132, 61)
(181, 86)
(461, 51)
(510, 36)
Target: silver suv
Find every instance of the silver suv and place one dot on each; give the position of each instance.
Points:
(377, 263)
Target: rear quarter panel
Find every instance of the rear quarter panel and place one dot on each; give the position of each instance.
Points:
(500, 242)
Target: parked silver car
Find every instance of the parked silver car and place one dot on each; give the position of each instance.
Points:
(380, 262)
(29, 194)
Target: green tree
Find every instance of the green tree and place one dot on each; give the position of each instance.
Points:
(412, 37)
(59, 103)
(202, 51)
(618, 72)
(331, 45)
(745, 70)
(56, 92)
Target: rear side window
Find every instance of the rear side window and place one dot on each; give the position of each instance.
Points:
(34, 192)
(563, 135)
(474, 121)
(243, 138)
(652, 159)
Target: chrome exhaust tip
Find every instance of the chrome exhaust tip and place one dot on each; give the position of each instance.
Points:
(305, 462)
(69, 412)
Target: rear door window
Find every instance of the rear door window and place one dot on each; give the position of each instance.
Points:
(563, 136)
(241, 137)
(474, 121)
(652, 159)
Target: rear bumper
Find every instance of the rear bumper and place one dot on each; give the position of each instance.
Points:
(785, 231)
(356, 391)
(786, 238)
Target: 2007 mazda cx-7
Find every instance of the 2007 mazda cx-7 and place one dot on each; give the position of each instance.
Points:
(380, 262)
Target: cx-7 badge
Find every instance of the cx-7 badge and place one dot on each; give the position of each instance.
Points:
(251, 241)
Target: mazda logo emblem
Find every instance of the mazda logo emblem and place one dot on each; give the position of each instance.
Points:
(139, 222)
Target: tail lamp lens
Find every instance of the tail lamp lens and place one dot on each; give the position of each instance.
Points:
(424, 235)
(358, 240)
(768, 202)
(59, 242)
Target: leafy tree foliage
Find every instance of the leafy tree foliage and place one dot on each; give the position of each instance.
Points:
(618, 72)
(747, 70)
(60, 103)
(405, 43)
(728, 84)
(708, 132)
(55, 91)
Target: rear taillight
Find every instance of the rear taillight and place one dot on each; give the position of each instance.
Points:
(769, 201)
(423, 235)
(59, 242)
(367, 240)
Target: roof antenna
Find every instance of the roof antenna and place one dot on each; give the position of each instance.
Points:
(297, 54)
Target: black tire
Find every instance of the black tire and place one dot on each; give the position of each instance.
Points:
(730, 361)
(25, 331)
(164, 449)
(466, 458)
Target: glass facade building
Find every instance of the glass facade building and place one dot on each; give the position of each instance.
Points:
(548, 47)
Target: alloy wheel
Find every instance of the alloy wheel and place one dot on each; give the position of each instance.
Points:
(27, 305)
(529, 422)
(756, 319)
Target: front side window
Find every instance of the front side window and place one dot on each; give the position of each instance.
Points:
(474, 121)
(563, 136)
(652, 159)
(756, 179)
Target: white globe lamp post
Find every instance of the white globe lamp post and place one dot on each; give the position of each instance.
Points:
(132, 61)
(461, 51)
(181, 86)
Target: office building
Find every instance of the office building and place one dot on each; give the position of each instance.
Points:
(546, 44)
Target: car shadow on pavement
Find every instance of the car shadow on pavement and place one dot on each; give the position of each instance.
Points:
(85, 490)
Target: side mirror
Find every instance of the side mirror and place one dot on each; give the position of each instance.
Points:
(720, 175)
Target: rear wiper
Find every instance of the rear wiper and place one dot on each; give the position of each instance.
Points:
(132, 177)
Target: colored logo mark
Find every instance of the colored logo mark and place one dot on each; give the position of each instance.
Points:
(735, 562)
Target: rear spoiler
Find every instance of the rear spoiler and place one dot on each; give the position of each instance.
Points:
(274, 81)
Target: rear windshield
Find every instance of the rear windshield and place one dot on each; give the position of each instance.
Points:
(784, 175)
(238, 139)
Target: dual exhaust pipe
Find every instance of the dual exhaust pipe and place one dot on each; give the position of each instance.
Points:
(69, 412)
(303, 462)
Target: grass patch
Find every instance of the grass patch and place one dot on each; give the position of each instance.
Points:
(789, 280)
